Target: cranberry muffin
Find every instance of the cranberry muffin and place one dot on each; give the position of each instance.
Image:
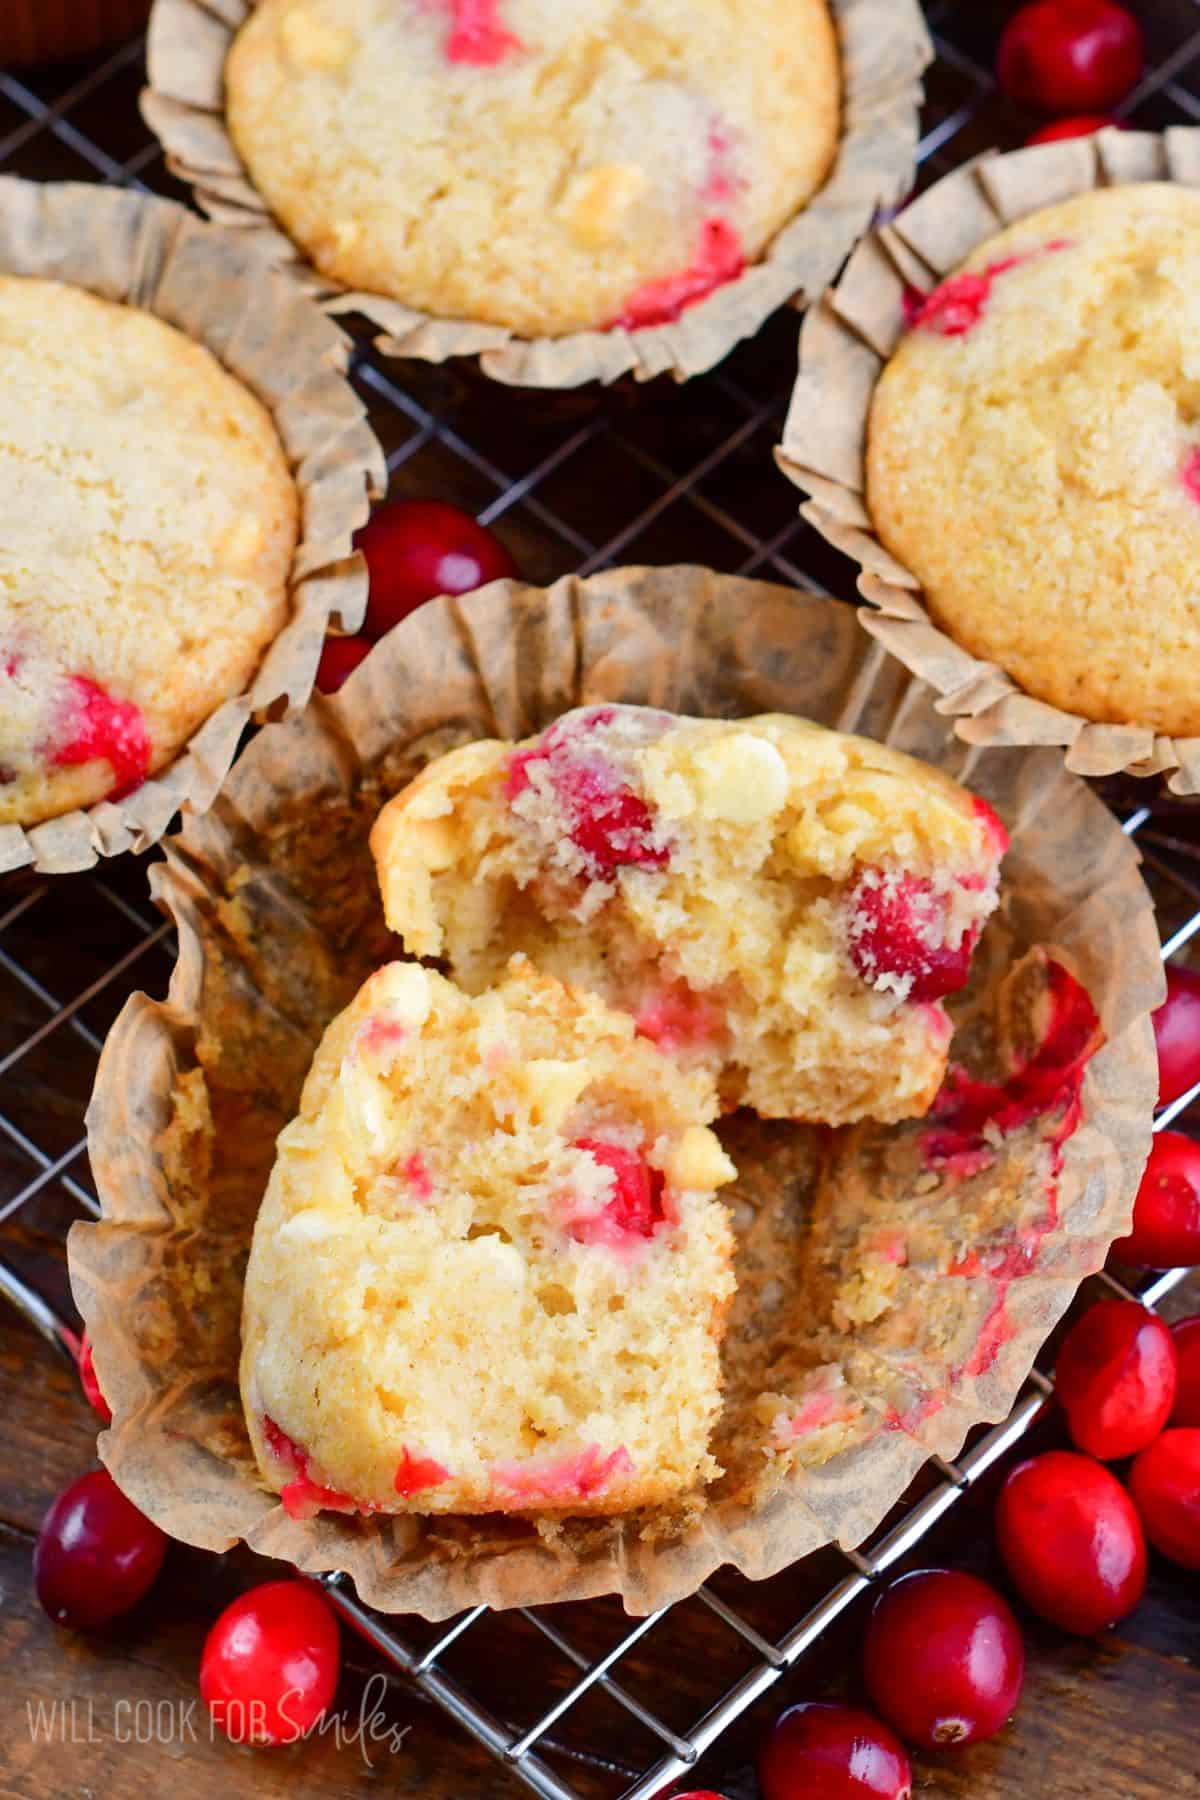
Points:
(149, 521)
(1034, 455)
(543, 167)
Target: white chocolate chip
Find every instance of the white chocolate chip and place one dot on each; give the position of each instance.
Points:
(307, 1227)
(244, 540)
(403, 988)
(311, 44)
(347, 234)
(741, 778)
(598, 201)
(551, 1088)
(697, 1164)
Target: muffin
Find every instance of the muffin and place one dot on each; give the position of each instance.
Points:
(489, 1273)
(1033, 455)
(782, 905)
(528, 165)
(149, 523)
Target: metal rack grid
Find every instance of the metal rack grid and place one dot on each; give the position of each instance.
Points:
(571, 482)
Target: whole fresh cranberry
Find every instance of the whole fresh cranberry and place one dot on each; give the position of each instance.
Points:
(1166, 1212)
(1177, 1034)
(1082, 125)
(1070, 56)
(1071, 1541)
(1186, 1333)
(339, 659)
(1165, 1484)
(822, 1752)
(96, 1554)
(418, 549)
(1115, 1377)
(943, 1659)
(270, 1664)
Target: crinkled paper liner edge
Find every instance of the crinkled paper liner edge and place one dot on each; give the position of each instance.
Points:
(515, 654)
(885, 51)
(845, 342)
(154, 254)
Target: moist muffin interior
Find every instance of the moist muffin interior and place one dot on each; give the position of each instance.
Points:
(489, 1273)
(784, 905)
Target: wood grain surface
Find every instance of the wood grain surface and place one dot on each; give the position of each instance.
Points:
(1116, 1718)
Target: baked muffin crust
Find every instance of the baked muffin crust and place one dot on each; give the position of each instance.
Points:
(545, 167)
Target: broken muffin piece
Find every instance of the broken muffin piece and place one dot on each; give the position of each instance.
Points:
(782, 905)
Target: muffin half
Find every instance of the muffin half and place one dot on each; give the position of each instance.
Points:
(489, 1273)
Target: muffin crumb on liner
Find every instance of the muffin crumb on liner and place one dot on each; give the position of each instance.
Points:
(846, 340)
(274, 895)
(885, 50)
(153, 254)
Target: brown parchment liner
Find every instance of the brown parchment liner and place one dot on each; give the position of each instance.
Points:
(274, 897)
(154, 254)
(885, 50)
(845, 342)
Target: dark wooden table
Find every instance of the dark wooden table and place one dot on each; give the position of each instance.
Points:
(572, 481)
(1118, 1718)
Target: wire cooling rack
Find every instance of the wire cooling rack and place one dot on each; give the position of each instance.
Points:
(573, 481)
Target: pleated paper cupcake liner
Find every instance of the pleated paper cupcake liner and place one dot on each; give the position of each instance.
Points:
(831, 1405)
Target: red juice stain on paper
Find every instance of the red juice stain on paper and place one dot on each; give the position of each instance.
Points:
(99, 728)
(1050, 1080)
(1049, 1083)
(719, 257)
(817, 1411)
